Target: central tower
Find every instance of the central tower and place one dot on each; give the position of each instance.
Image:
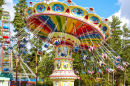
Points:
(63, 73)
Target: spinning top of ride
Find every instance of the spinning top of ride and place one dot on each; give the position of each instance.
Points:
(73, 24)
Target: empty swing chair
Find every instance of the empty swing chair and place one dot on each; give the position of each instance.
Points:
(5, 35)
(25, 39)
(90, 72)
(6, 69)
(46, 45)
(11, 48)
(104, 55)
(24, 52)
(57, 42)
(7, 41)
(76, 48)
(85, 56)
(101, 63)
(5, 47)
(40, 52)
(5, 28)
(125, 64)
(22, 45)
(92, 48)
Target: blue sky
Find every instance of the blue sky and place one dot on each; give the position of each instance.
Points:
(103, 8)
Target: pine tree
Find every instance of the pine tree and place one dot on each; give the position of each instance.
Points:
(115, 41)
(125, 50)
(1, 9)
(19, 25)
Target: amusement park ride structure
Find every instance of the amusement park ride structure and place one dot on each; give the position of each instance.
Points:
(67, 28)
(6, 54)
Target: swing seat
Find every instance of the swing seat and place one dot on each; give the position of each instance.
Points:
(92, 72)
(6, 52)
(62, 54)
(22, 45)
(25, 40)
(83, 72)
(11, 48)
(101, 63)
(5, 27)
(28, 61)
(57, 43)
(118, 59)
(6, 69)
(5, 37)
(4, 17)
(46, 46)
(75, 49)
(39, 52)
(86, 57)
(25, 52)
(118, 67)
(117, 63)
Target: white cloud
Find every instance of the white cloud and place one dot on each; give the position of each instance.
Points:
(123, 19)
(124, 12)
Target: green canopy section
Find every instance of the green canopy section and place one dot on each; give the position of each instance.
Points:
(6, 75)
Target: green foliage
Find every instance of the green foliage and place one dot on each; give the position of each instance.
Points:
(19, 22)
(119, 44)
(1, 9)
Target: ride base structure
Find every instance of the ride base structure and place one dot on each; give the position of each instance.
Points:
(63, 73)
(68, 28)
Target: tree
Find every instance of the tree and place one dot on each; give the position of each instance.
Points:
(1, 9)
(19, 25)
(125, 50)
(115, 42)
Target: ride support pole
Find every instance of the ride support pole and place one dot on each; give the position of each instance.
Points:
(36, 68)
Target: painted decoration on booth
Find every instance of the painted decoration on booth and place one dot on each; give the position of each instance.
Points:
(65, 84)
(59, 51)
(72, 84)
(65, 51)
(104, 29)
(58, 64)
(30, 12)
(77, 12)
(71, 64)
(57, 8)
(56, 83)
(70, 52)
(40, 8)
(94, 20)
(65, 64)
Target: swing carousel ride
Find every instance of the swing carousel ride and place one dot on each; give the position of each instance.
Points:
(70, 27)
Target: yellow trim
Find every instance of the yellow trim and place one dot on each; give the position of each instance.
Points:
(40, 3)
(84, 11)
(103, 24)
(91, 15)
(63, 4)
(28, 9)
(108, 35)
